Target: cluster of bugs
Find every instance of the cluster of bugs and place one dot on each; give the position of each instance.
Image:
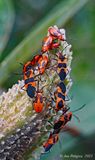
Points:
(33, 71)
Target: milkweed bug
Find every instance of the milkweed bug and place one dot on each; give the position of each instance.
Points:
(30, 64)
(49, 41)
(36, 59)
(55, 32)
(42, 63)
(28, 76)
(30, 83)
(60, 95)
(58, 125)
(27, 66)
(49, 44)
(60, 101)
(53, 138)
(46, 44)
(62, 66)
(38, 102)
(62, 121)
(61, 87)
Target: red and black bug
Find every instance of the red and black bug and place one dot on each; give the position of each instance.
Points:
(62, 66)
(49, 44)
(38, 102)
(60, 95)
(46, 44)
(60, 100)
(30, 83)
(53, 138)
(56, 33)
(61, 122)
(28, 73)
(35, 59)
(27, 66)
(42, 64)
(64, 119)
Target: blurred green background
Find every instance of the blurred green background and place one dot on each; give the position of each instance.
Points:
(23, 24)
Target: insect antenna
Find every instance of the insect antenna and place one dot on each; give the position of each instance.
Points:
(65, 47)
(79, 108)
(76, 117)
(21, 63)
(17, 73)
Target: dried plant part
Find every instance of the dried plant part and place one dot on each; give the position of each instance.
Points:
(21, 128)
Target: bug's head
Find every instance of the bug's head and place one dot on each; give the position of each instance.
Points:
(61, 56)
(68, 116)
(27, 66)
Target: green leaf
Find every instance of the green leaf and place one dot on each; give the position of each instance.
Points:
(6, 22)
(29, 46)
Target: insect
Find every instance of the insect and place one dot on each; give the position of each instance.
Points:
(57, 127)
(56, 33)
(62, 66)
(27, 66)
(30, 64)
(60, 96)
(64, 119)
(30, 83)
(38, 102)
(28, 76)
(42, 63)
(49, 44)
(60, 102)
(53, 138)
(61, 122)
(35, 59)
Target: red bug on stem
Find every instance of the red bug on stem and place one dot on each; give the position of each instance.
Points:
(49, 44)
(64, 119)
(38, 102)
(59, 97)
(30, 83)
(61, 66)
(53, 138)
(35, 59)
(42, 64)
(56, 33)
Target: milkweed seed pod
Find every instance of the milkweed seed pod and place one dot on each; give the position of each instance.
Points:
(22, 130)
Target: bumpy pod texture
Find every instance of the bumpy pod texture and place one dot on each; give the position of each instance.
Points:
(21, 128)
